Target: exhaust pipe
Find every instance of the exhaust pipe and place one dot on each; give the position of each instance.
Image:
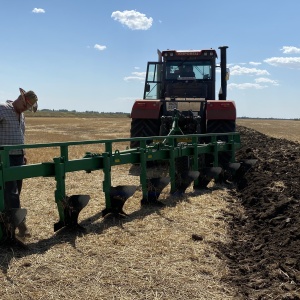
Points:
(223, 64)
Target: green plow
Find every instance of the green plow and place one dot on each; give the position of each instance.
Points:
(187, 159)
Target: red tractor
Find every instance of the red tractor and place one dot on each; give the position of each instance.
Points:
(184, 82)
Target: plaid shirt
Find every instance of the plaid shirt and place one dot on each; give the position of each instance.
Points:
(12, 129)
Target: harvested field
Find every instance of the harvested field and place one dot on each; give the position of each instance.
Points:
(281, 129)
(227, 242)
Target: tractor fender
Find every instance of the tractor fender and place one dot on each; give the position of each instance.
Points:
(146, 109)
(220, 110)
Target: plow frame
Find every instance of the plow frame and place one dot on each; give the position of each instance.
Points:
(166, 148)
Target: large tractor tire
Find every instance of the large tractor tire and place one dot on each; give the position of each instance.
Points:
(222, 126)
(205, 162)
(143, 128)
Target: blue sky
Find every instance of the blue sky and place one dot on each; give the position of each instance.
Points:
(92, 55)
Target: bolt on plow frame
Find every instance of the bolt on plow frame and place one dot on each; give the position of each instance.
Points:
(189, 159)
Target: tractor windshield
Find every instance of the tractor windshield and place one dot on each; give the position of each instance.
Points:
(182, 70)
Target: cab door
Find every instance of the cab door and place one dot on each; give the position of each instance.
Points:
(153, 82)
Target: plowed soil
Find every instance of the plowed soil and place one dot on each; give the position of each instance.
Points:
(264, 255)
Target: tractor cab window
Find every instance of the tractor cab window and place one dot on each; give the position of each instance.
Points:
(178, 70)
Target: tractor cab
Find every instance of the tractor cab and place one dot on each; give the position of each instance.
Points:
(181, 74)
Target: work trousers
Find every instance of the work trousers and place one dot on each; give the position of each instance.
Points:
(13, 189)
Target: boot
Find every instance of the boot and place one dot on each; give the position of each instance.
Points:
(23, 230)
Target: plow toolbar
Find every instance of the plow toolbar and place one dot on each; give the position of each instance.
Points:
(194, 161)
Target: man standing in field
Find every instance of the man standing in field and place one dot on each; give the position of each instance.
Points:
(12, 132)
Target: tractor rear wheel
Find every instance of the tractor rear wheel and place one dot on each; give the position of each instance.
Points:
(143, 128)
(222, 126)
(206, 161)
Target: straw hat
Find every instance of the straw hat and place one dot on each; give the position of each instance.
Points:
(30, 98)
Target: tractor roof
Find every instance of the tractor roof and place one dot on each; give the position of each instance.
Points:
(205, 52)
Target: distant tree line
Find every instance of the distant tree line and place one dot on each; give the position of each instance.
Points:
(85, 112)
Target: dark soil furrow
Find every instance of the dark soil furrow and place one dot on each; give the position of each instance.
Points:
(264, 255)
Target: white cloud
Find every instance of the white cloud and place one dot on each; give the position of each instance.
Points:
(131, 78)
(132, 19)
(139, 76)
(266, 80)
(290, 50)
(99, 47)
(238, 70)
(245, 86)
(253, 63)
(38, 11)
(137, 68)
(291, 62)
